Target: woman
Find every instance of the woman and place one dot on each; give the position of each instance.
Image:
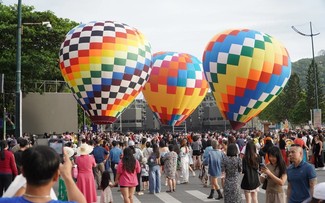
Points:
(170, 160)
(8, 169)
(283, 147)
(276, 177)
(197, 149)
(231, 165)
(250, 181)
(214, 169)
(184, 155)
(318, 149)
(154, 170)
(126, 175)
(85, 178)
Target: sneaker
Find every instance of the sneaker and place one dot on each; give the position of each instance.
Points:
(193, 174)
(140, 193)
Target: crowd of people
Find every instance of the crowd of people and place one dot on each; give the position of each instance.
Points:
(137, 162)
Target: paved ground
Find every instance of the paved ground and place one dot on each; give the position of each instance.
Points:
(194, 192)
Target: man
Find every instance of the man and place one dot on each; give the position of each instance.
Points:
(301, 176)
(41, 167)
(101, 155)
(23, 145)
(115, 156)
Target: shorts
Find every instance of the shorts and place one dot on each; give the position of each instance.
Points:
(145, 178)
(196, 152)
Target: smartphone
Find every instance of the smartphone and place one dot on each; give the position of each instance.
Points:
(58, 146)
(262, 165)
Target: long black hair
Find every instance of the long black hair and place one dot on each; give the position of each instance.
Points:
(3, 145)
(128, 160)
(250, 155)
(105, 180)
(275, 151)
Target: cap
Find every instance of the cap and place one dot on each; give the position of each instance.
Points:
(131, 143)
(319, 191)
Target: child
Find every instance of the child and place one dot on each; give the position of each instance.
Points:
(106, 195)
(145, 174)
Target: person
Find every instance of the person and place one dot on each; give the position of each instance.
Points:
(318, 150)
(154, 170)
(138, 155)
(283, 147)
(231, 165)
(301, 176)
(126, 175)
(185, 161)
(100, 154)
(276, 176)
(23, 145)
(144, 174)
(319, 193)
(197, 151)
(214, 170)
(170, 164)
(105, 185)
(41, 167)
(8, 168)
(250, 181)
(85, 179)
(115, 155)
(204, 175)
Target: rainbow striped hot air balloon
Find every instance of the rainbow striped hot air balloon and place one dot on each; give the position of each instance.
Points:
(246, 70)
(106, 64)
(176, 86)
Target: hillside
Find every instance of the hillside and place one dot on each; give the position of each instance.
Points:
(300, 67)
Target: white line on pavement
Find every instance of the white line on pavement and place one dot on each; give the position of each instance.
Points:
(165, 197)
(200, 195)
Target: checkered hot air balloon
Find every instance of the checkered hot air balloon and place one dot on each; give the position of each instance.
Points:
(106, 64)
(176, 86)
(246, 70)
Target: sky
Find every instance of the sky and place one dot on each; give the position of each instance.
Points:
(188, 25)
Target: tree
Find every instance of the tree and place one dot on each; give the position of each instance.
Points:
(40, 48)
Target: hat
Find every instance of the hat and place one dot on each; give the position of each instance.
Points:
(131, 143)
(84, 149)
(69, 151)
(319, 191)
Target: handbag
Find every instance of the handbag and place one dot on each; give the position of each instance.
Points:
(264, 186)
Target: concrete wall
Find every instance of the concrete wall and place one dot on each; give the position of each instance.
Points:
(49, 112)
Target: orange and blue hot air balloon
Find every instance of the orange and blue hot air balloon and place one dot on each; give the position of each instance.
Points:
(246, 70)
(176, 86)
(106, 65)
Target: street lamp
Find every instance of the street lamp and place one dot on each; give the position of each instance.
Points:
(18, 105)
(311, 35)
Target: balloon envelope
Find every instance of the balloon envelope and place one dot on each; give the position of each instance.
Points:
(106, 65)
(176, 86)
(246, 70)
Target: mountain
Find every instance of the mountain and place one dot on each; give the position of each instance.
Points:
(301, 66)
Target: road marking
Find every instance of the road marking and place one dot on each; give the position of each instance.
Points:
(165, 197)
(135, 199)
(200, 195)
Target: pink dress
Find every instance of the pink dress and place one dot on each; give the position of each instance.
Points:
(85, 179)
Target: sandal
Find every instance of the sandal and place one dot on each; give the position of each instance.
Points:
(168, 191)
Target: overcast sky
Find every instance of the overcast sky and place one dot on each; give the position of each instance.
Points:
(188, 25)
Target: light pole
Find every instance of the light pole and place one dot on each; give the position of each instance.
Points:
(311, 35)
(18, 105)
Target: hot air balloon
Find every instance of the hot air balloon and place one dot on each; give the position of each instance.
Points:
(246, 70)
(106, 64)
(176, 86)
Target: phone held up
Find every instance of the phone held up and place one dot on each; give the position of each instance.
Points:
(58, 146)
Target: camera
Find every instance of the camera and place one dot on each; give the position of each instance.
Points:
(58, 146)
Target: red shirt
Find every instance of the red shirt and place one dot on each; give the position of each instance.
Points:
(8, 165)
(126, 178)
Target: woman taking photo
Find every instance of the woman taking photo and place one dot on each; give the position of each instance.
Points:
(250, 181)
(276, 176)
(126, 175)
